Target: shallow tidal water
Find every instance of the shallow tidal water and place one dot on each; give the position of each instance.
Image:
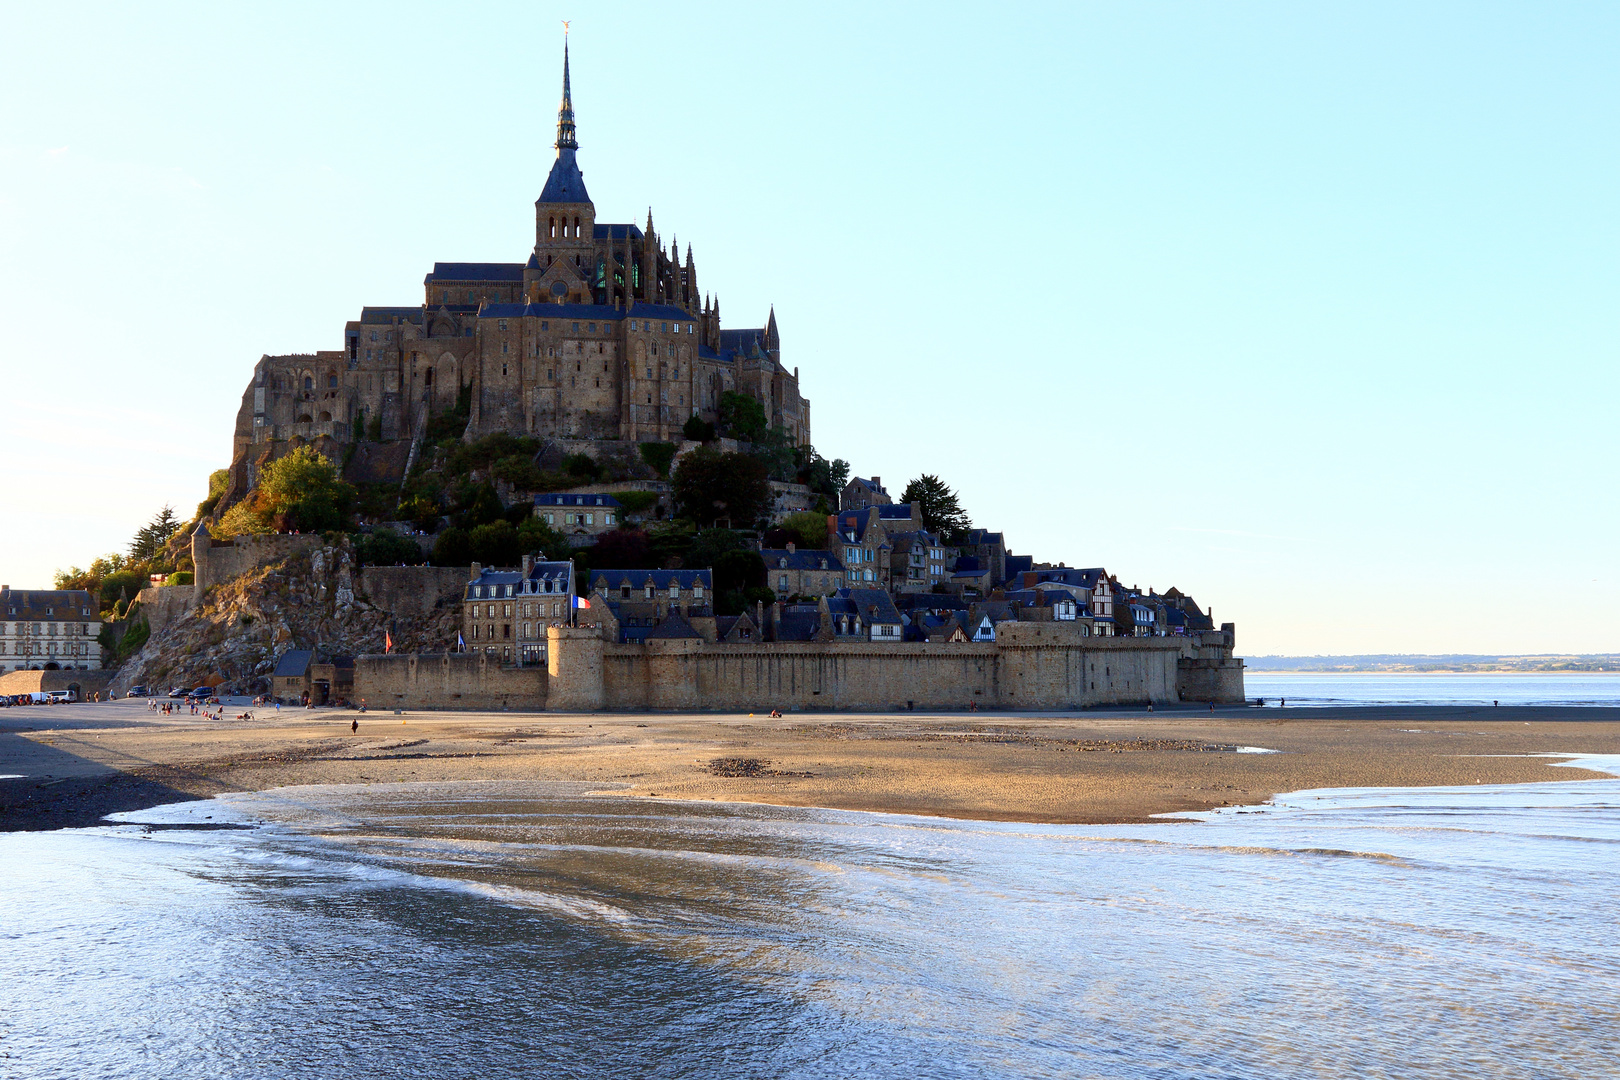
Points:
(493, 930)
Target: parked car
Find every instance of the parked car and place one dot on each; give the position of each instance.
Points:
(139, 691)
(178, 692)
(202, 693)
(62, 697)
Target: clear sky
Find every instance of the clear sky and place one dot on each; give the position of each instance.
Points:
(1308, 309)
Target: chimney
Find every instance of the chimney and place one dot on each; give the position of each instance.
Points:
(528, 564)
(877, 482)
(477, 571)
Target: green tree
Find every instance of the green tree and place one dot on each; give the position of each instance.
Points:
(495, 544)
(941, 512)
(536, 537)
(698, 429)
(420, 511)
(738, 578)
(483, 507)
(776, 450)
(712, 486)
(153, 535)
(218, 481)
(452, 548)
(385, 547)
(742, 416)
(822, 476)
(808, 527)
(581, 467)
(658, 455)
(709, 545)
(302, 490)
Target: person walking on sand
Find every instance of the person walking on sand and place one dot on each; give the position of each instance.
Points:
(354, 726)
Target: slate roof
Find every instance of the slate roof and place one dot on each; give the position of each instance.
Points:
(1065, 575)
(609, 579)
(565, 183)
(384, 316)
(551, 499)
(638, 310)
(619, 232)
(901, 511)
(544, 578)
(984, 536)
(294, 664)
(798, 622)
(1017, 564)
(599, 312)
(61, 605)
(800, 560)
(929, 602)
(852, 525)
(458, 271)
(674, 627)
(873, 605)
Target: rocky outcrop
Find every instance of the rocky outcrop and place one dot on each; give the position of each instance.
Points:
(236, 630)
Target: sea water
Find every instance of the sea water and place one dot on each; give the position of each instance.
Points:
(1384, 688)
(503, 930)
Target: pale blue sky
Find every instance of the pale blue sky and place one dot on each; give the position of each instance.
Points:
(1306, 309)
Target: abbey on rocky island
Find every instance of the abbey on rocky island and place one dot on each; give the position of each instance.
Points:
(600, 335)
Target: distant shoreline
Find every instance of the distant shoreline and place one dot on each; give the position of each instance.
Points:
(1250, 669)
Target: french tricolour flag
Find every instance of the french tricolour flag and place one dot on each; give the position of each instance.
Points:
(581, 602)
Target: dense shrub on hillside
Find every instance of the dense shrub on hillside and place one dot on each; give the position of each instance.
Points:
(387, 548)
(658, 455)
(712, 486)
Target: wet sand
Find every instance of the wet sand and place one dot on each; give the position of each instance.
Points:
(78, 763)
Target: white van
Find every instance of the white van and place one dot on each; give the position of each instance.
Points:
(62, 697)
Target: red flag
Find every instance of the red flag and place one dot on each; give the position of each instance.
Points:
(388, 642)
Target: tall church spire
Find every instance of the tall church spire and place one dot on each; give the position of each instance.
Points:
(566, 137)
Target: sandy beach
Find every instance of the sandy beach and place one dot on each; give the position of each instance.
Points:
(66, 766)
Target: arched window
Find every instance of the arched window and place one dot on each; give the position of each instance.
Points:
(331, 382)
(554, 228)
(309, 383)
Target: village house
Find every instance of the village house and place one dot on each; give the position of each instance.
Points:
(865, 615)
(858, 494)
(635, 603)
(790, 572)
(48, 630)
(579, 515)
(505, 612)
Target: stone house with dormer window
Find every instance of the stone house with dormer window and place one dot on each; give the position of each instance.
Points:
(790, 572)
(505, 613)
(579, 515)
(48, 630)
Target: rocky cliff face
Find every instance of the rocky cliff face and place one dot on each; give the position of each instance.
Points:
(235, 631)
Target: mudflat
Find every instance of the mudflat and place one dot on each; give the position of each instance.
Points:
(67, 766)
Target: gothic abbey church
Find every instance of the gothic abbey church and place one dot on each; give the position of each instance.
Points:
(601, 335)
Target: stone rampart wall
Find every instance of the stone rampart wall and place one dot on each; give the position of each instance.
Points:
(413, 591)
(446, 681)
(1033, 666)
(1044, 674)
(167, 604)
(219, 561)
(33, 682)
